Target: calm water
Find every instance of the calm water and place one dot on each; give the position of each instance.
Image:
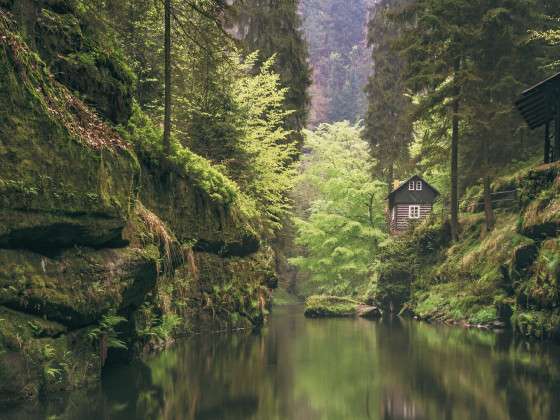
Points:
(330, 369)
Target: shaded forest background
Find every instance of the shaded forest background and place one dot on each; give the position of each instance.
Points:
(340, 59)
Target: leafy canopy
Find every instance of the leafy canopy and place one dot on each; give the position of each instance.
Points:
(346, 218)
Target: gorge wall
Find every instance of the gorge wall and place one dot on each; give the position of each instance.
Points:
(104, 253)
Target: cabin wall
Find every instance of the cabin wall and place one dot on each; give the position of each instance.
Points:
(401, 221)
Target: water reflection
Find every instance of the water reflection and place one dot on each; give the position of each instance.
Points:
(330, 369)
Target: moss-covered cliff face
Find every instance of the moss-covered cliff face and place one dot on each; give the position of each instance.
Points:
(508, 276)
(103, 254)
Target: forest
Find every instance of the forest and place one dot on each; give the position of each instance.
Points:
(171, 169)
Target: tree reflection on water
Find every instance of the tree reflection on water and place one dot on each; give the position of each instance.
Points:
(331, 369)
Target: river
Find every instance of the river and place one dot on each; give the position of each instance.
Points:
(328, 369)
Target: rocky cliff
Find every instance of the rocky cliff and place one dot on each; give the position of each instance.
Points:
(104, 252)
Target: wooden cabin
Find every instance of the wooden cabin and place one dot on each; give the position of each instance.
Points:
(410, 202)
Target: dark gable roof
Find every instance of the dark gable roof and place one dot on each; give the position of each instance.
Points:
(536, 104)
(405, 184)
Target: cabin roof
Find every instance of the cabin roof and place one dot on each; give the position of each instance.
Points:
(405, 184)
(536, 103)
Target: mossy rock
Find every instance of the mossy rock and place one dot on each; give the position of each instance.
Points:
(536, 180)
(101, 77)
(541, 219)
(540, 191)
(541, 289)
(38, 357)
(523, 258)
(60, 165)
(321, 306)
(393, 288)
(214, 226)
(234, 285)
(77, 287)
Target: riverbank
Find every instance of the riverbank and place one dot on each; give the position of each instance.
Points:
(508, 277)
(332, 368)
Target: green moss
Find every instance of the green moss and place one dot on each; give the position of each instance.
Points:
(92, 283)
(484, 277)
(39, 357)
(146, 136)
(83, 64)
(542, 287)
(58, 158)
(320, 306)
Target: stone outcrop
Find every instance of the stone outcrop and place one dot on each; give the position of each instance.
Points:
(102, 254)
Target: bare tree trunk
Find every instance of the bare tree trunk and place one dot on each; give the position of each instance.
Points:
(455, 172)
(167, 114)
(547, 143)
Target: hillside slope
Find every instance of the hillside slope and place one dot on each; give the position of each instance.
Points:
(509, 276)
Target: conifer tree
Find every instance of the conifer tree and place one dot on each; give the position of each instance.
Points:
(467, 60)
(434, 44)
(388, 120)
(274, 29)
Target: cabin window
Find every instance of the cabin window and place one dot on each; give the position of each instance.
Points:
(414, 212)
(411, 186)
(393, 215)
(418, 185)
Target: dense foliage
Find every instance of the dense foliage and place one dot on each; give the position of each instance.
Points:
(388, 119)
(239, 108)
(463, 63)
(343, 226)
(273, 29)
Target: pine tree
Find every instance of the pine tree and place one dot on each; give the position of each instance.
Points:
(388, 120)
(274, 29)
(434, 43)
(467, 60)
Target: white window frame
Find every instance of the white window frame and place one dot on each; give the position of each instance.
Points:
(393, 214)
(418, 185)
(411, 186)
(414, 212)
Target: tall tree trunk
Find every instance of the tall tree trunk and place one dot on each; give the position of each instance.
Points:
(455, 172)
(167, 114)
(557, 133)
(547, 143)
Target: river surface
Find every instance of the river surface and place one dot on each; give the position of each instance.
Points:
(328, 369)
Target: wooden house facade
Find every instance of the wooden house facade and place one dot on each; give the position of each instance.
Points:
(411, 202)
